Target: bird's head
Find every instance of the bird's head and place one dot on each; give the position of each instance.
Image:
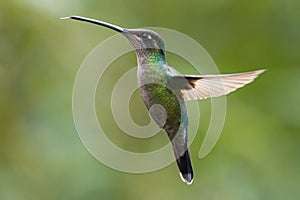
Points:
(141, 39)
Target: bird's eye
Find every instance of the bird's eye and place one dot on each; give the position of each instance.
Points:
(144, 36)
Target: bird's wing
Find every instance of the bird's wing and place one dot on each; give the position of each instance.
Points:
(206, 86)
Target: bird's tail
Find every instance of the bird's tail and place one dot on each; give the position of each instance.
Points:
(185, 166)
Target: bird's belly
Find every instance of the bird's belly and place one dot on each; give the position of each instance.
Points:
(165, 106)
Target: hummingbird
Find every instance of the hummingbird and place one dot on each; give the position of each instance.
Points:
(164, 90)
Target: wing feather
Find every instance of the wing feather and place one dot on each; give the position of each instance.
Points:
(206, 86)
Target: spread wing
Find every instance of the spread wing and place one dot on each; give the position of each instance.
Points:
(206, 86)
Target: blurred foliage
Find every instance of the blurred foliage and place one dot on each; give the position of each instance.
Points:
(41, 156)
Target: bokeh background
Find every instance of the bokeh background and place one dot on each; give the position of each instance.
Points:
(41, 156)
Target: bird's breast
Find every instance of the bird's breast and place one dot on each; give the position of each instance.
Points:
(156, 94)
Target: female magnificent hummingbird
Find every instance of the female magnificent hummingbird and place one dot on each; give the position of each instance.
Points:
(164, 90)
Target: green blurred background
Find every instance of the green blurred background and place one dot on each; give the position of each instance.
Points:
(41, 156)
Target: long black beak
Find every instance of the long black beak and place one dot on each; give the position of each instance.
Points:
(101, 23)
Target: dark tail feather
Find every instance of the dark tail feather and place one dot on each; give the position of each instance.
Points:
(185, 167)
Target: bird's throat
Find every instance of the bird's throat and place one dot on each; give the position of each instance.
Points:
(151, 56)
